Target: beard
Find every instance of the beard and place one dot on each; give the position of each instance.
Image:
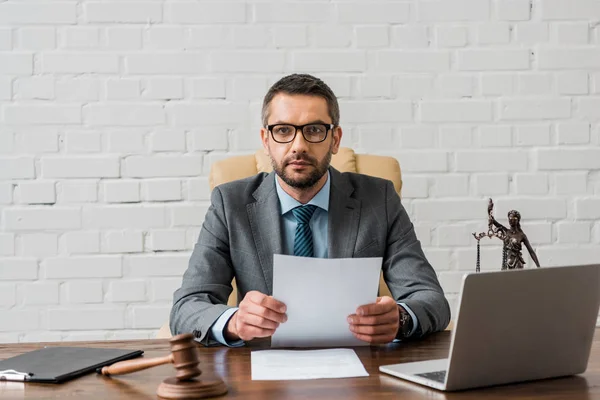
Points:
(320, 168)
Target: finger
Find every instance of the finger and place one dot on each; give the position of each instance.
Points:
(388, 318)
(266, 301)
(379, 308)
(257, 321)
(378, 339)
(373, 330)
(249, 332)
(259, 310)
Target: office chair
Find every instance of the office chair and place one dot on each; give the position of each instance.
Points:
(346, 160)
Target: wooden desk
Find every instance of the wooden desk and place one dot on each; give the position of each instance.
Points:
(233, 365)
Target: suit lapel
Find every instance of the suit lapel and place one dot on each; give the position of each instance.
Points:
(264, 217)
(343, 218)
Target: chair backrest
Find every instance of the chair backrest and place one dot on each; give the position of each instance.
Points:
(345, 160)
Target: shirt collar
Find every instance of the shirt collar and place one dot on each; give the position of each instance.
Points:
(287, 202)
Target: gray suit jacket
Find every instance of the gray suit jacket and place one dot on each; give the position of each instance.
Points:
(242, 231)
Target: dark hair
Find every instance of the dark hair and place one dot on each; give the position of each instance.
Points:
(302, 84)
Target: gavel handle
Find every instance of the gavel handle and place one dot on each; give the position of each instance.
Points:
(126, 367)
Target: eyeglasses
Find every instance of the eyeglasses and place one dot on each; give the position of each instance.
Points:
(286, 133)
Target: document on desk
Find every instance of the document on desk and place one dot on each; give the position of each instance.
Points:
(320, 294)
(268, 365)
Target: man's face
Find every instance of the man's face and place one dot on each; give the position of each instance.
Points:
(299, 163)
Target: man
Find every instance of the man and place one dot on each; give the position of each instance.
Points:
(307, 208)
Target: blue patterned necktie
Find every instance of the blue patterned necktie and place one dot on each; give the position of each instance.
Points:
(303, 244)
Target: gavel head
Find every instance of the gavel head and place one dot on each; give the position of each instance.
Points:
(185, 356)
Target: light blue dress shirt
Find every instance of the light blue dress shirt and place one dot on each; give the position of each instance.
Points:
(318, 225)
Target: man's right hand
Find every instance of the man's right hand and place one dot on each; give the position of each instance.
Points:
(258, 316)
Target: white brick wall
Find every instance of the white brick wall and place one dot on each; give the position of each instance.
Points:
(112, 112)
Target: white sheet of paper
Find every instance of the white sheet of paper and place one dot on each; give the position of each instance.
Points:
(320, 294)
(268, 365)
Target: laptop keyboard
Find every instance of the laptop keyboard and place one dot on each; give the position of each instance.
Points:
(438, 376)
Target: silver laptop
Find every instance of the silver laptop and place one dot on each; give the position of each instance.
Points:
(514, 326)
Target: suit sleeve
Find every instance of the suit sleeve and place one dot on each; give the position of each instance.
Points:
(410, 277)
(206, 285)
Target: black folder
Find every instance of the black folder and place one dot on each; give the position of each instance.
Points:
(59, 364)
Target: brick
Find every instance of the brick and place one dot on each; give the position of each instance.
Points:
(588, 107)
(498, 84)
(450, 36)
(161, 166)
(121, 191)
(576, 33)
(453, 10)
(37, 337)
(244, 140)
(440, 259)
(44, 141)
(122, 11)
(413, 86)
(83, 267)
(198, 189)
(412, 161)
(565, 159)
(86, 336)
(6, 193)
(163, 288)
(491, 257)
(19, 319)
(573, 133)
(34, 88)
(188, 215)
(13, 13)
(124, 242)
(410, 61)
(80, 37)
(453, 235)
(210, 36)
(375, 111)
(531, 183)
(77, 89)
(149, 317)
(36, 38)
(83, 142)
(533, 208)
(572, 82)
(127, 291)
(79, 63)
(80, 167)
(456, 111)
(124, 38)
(83, 292)
(123, 89)
(568, 58)
(417, 137)
(161, 190)
(371, 36)
(458, 86)
(423, 232)
(167, 140)
(55, 218)
(570, 183)
(495, 136)
(205, 13)
(7, 244)
(491, 184)
(446, 210)
(163, 89)
(40, 293)
(587, 208)
(535, 84)
(451, 186)
(490, 161)
(8, 295)
(297, 11)
(18, 269)
(163, 264)
(165, 38)
(555, 256)
(30, 114)
(373, 13)
(17, 168)
(533, 135)
(166, 63)
(81, 242)
(513, 10)
(167, 240)
(208, 88)
(85, 318)
(126, 141)
(127, 216)
(410, 37)
(38, 192)
(372, 138)
(574, 232)
(252, 36)
(247, 88)
(74, 191)
(16, 63)
(576, 9)
(6, 38)
(207, 114)
(340, 85)
(262, 61)
(493, 60)
(535, 109)
(538, 232)
(532, 32)
(456, 137)
(493, 33)
(6, 93)
(124, 114)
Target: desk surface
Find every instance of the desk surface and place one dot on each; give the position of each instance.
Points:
(233, 365)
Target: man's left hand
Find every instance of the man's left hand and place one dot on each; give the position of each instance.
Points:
(376, 323)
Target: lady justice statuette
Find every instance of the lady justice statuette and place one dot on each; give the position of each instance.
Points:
(512, 237)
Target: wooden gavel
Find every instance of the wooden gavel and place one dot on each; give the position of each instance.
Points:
(184, 357)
